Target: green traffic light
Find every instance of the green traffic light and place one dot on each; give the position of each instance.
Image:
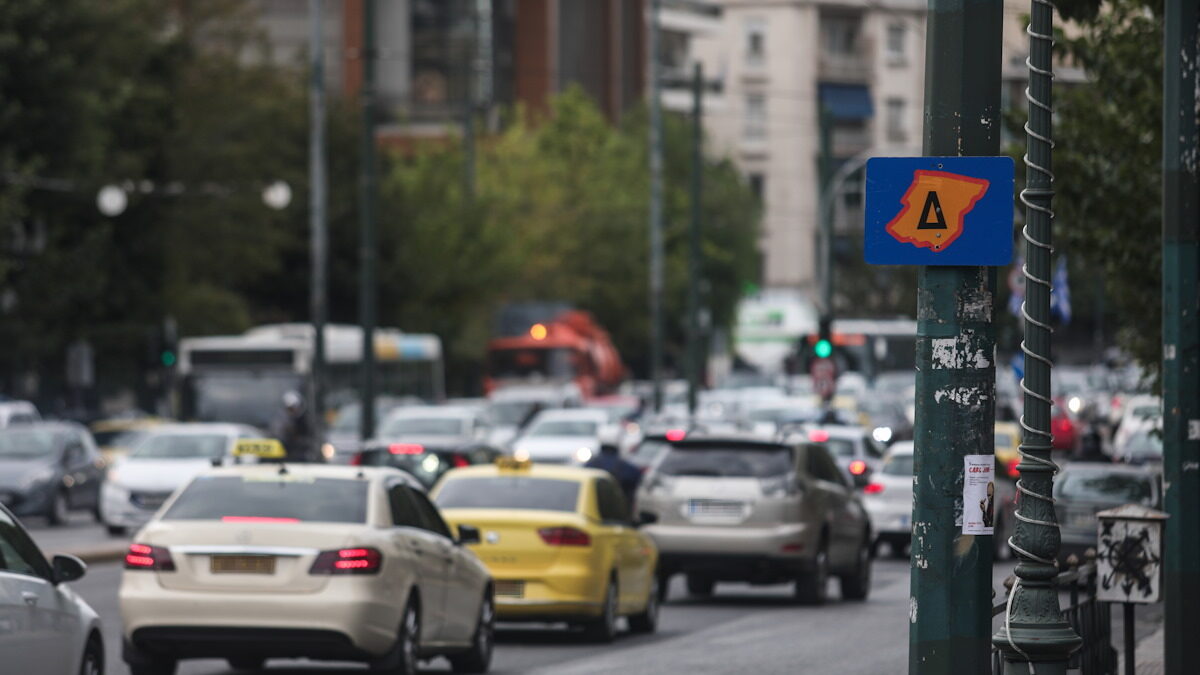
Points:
(168, 358)
(823, 349)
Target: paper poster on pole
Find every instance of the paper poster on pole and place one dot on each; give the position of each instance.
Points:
(979, 491)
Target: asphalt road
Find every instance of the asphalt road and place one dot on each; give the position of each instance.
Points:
(742, 627)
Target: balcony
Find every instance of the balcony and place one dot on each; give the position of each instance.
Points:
(845, 67)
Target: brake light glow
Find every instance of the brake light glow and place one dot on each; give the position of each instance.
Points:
(1062, 425)
(459, 461)
(564, 536)
(348, 561)
(357, 459)
(676, 435)
(858, 467)
(143, 557)
(794, 547)
(257, 519)
(1011, 469)
(406, 448)
(873, 488)
(818, 435)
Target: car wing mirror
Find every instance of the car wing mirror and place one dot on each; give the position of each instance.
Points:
(67, 568)
(467, 534)
(646, 518)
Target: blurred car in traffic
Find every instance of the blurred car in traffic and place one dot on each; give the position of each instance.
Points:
(568, 436)
(510, 409)
(1081, 490)
(1140, 412)
(116, 435)
(1007, 438)
(433, 426)
(49, 469)
(743, 509)
(249, 563)
(17, 412)
(167, 457)
(45, 627)
(344, 433)
(426, 463)
(1141, 447)
(889, 499)
(560, 543)
(853, 448)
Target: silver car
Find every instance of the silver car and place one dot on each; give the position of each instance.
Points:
(744, 509)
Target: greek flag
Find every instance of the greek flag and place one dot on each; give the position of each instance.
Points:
(1060, 292)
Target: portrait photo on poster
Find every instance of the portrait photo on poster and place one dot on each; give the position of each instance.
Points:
(979, 494)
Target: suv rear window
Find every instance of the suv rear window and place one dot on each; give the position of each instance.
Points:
(727, 461)
(509, 492)
(282, 498)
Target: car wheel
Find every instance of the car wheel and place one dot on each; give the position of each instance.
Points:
(479, 658)
(402, 660)
(647, 620)
(604, 628)
(857, 584)
(57, 513)
(93, 658)
(812, 587)
(247, 663)
(701, 586)
(153, 668)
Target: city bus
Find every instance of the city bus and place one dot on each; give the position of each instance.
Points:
(243, 378)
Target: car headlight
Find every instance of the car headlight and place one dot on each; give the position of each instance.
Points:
(583, 454)
(521, 454)
(328, 451)
(882, 434)
(43, 475)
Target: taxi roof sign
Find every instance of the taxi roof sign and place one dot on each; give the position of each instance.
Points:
(939, 211)
(263, 448)
(513, 464)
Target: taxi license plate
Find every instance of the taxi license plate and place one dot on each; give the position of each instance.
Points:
(510, 588)
(242, 564)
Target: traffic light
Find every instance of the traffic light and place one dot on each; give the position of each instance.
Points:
(168, 358)
(823, 349)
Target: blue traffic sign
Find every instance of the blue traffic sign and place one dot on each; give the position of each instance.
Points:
(939, 211)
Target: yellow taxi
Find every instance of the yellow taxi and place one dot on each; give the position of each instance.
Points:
(559, 542)
(1008, 438)
(117, 435)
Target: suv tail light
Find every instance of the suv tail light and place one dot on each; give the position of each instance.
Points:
(348, 561)
(143, 557)
(858, 467)
(564, 536)
(873, 488)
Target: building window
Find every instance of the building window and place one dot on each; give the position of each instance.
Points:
(758, 185)
(895, 120)
(756, 41)
(895, 42)
(756, 116)
(839, 35)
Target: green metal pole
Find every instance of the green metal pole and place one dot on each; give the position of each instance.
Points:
(656, 220)
(1034, 637)
(366, 250)
(950, 607)
(1181, 336)
(825, 208)
(693, 334)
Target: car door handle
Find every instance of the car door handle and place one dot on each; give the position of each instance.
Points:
(30, 598)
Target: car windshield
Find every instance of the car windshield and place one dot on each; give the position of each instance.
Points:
(510, 413)
(647, 451)
(26, 444)
(509, 492)
(1116, 488)
(1146, 412)
(564, 428)
(726, 462)
(423, 426)
(898, 465)
(272, 498)
(426, 467)
(840, 447)
(181, 446)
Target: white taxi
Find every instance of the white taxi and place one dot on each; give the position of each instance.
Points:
(254, 562)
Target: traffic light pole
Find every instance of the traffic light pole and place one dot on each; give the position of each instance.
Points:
(1181, 336)
(656, 208)
(694, 349)
(318, 222)
(366, 250)
(950, 608)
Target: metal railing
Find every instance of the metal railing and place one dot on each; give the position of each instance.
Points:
(1090, 618)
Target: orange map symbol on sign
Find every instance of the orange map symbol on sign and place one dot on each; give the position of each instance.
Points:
(935, 206)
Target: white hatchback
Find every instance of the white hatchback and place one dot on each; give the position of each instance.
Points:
(45, 628)
(889, 498)
(254, 562)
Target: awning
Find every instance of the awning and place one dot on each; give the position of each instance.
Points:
(846, 101)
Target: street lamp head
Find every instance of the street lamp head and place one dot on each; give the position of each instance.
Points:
(111, 200)
(277, 195)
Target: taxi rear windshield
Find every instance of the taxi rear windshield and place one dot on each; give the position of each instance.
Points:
(509, 492)
(280, 499)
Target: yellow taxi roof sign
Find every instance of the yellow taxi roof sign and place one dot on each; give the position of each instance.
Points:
(513, 464)
(264, 448)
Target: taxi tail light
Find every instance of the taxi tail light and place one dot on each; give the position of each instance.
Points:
(873, 488)
(406, 449)
(357, 560)
(144, 557)
(564, 536)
